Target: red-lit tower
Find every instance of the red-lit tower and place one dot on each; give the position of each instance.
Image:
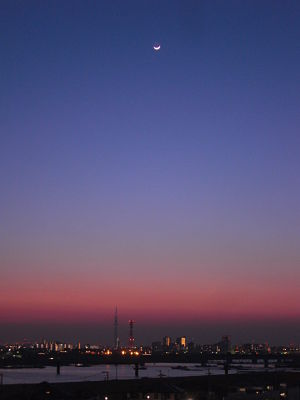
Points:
(131, 337)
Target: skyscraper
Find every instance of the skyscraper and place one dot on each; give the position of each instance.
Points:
(166, 341)
(225, 344)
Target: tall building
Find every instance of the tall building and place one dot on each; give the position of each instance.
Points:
(225, 344)
(166, 341)
(116, 331)
(181, 342)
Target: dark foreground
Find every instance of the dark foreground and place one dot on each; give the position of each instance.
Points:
(258, 386)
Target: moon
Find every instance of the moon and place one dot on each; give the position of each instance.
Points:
(156, 47)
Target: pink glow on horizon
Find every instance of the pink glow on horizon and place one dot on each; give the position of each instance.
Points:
(87, 300)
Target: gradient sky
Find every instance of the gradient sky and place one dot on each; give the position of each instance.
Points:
(166, 182)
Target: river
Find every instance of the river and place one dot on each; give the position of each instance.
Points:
(109, 372)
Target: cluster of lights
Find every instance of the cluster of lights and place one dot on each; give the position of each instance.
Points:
(48, 348)
(131, 352)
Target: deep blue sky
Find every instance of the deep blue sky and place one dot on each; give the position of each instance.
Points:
(119, 164)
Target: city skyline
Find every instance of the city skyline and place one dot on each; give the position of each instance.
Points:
(146, 333)
(166, 182)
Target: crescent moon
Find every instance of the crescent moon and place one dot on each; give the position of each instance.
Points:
(156, 48)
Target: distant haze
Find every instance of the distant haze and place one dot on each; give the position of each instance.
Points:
(204, 332)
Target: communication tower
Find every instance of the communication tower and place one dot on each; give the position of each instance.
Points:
(131, 337)
(116, 331)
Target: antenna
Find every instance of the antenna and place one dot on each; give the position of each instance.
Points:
(116, 329)
(131, 337)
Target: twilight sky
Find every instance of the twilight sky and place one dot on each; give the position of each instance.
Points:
(166, 182)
